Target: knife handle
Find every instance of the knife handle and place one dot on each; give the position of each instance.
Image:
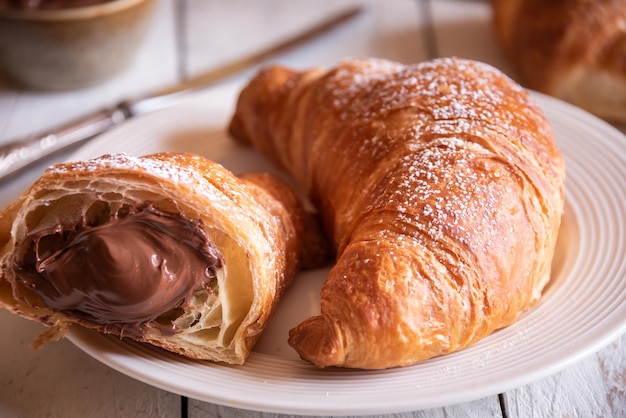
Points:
(21, 153)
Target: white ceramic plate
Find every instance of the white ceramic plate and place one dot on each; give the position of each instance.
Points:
(583, 309)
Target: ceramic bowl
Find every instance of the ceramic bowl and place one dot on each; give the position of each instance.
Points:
(71, 48)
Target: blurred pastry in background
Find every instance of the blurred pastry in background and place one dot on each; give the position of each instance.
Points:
(571, 49)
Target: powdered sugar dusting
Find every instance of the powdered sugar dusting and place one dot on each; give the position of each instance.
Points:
(431, 85)
(442, 193)
(435, 150)
(160, 168)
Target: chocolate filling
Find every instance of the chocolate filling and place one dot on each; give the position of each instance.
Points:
(130, 271)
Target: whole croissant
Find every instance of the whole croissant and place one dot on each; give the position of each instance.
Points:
(572, 49)
(440, 185)
(169, 249)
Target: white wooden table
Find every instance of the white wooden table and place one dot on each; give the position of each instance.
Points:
(185, 38)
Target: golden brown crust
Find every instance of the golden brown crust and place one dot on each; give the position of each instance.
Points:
(440, 185)
(571, 49)
(256, 224)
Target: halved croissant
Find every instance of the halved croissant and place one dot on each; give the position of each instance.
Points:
(572, 49)
(168, 249)
(440, 185)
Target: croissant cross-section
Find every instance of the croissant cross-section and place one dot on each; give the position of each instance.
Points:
(168, 249)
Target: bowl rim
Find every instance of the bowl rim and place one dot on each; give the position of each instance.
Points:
(70, 13)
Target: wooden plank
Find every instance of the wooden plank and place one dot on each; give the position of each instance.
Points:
(596, 386)
(479, 409)
(60, 380)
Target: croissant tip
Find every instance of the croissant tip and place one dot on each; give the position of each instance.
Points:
(317, 341)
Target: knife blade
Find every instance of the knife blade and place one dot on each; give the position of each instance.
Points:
(21, 153)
